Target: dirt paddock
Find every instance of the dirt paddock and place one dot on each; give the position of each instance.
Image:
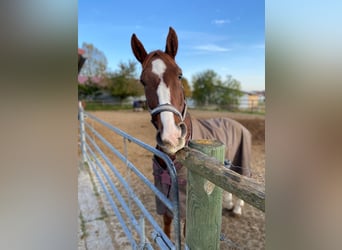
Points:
(247, 231)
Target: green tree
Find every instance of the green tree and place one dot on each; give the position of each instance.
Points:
(186, 87)
(123, 82)
(229, 93)
(210, 89)
(205, 87)
(88, 90)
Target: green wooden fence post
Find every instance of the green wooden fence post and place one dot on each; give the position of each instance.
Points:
(204, 202)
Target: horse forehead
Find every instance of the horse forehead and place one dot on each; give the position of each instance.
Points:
(158, 67)
(157, 57)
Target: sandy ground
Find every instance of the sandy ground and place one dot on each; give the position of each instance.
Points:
(245, 232)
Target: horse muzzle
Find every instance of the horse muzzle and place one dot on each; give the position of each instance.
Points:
(172, 146)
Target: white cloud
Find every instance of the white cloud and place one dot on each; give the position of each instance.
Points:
(220, 21)
(211, 48)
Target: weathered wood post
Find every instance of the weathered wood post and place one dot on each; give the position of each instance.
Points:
(204, 202)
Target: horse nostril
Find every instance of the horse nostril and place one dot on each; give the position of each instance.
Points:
(172, 139)
(183, 128)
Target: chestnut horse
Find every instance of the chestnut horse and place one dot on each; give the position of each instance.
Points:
(161, 78)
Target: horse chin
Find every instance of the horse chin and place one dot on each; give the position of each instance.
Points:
(168, 148)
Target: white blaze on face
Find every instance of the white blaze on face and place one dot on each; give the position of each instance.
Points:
(171, 132)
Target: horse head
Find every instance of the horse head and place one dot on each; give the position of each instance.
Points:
(161, 78)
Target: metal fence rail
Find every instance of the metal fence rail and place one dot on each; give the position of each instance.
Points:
(250, 106)
(95, 158)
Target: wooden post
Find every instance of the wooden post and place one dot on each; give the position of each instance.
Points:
(241, 186)
(204, 202)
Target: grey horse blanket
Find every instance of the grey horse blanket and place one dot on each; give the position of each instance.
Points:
(238, 143)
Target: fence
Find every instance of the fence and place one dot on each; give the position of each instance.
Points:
(204, 166)
(204, 199)
(118, 189)
(250, 106)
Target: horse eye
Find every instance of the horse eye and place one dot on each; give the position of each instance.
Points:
(180, 76)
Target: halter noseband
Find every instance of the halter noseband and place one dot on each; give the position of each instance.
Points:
(170, 108)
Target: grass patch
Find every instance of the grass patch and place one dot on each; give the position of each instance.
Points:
(104, 214)
(96, 192)
(83, 227)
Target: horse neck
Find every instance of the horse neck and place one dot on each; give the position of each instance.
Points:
(188, 124)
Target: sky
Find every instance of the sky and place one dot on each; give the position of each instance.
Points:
(227, 36)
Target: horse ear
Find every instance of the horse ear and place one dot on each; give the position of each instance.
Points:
(171, 43)
(138, 49)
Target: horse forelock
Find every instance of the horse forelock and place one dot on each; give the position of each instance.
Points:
(158, 53)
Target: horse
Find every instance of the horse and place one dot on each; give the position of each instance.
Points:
(161, 78)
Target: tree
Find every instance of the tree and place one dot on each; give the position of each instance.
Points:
(186, 87)
(210, 89)
(88, 90)
(230, 93)
(123, 83)
(205, 91)
(96, 62)
(94, 66)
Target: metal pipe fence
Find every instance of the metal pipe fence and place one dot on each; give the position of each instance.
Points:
(250, 106)
(115, 186)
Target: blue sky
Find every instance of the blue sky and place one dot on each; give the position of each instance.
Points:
(227, 36)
